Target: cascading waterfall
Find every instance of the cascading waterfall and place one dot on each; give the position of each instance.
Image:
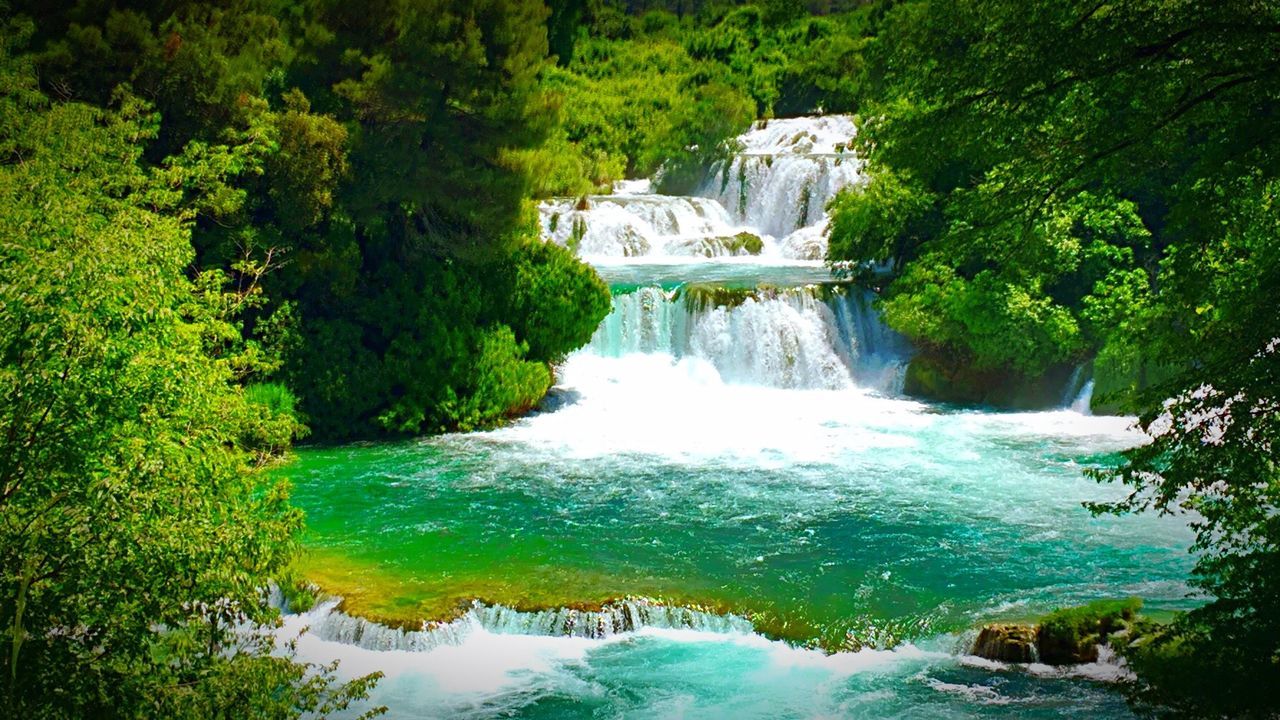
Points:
(1084, 400)
(768, 200)
(1078, 395)
(622, 616)
(642, 225)
(811, 337)
(716, 441)
(783, 179)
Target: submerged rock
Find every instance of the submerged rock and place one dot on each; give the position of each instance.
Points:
(1007, 642)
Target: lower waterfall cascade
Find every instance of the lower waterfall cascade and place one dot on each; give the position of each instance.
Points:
(791, 338)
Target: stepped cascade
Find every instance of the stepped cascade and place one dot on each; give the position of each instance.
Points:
(733, 444)
(769, 200)
(621, 616)
(784, 177)
(763, 327)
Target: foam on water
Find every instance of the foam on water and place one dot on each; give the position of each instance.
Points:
(683, 673)
(485, 673)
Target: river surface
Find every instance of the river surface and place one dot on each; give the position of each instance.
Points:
(726, 509)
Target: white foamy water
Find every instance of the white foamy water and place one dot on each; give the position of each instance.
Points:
(782, 182)
(800, 338)
(641, 225)
(483, 673)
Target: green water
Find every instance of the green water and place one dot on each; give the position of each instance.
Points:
(979, 518)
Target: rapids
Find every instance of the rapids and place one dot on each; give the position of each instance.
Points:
(725, 508)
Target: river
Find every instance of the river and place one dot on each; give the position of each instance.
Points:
(726, 508)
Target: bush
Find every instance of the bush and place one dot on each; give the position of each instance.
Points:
(556, 300)
(1071, 635)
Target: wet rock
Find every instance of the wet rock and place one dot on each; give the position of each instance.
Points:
(941, 378)
(1006, 642)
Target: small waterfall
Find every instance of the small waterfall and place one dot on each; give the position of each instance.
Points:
(643, 225)
(813, 337)
(1078, 395)
(781, 194)
(622, 616)
(782, 181)
(1084, 400)
(878, 356)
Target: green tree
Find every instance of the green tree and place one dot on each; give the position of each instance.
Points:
(137, 530)
(1107, 179)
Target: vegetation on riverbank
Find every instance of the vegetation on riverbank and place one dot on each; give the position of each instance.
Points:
(665, 90)
(363, 170)
(219, 219)
(1058, 181)
(137, 528)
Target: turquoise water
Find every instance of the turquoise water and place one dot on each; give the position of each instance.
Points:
(735, 461)
(726, 508)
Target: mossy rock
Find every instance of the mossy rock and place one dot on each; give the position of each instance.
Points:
(947, 379)
(709, 295)
(746, 242)
(1072, 635)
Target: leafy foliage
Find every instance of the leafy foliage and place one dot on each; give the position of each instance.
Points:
(1105, 178)
(138, 530)
(362, 171)
(669, 86)
(1071, 635)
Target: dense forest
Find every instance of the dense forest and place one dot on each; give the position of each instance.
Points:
(227, 227)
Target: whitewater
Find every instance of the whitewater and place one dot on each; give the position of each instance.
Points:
(726, 508)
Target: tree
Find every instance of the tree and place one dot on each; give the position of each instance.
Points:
(377, 158)
(1213, 455)
(1112, 166)
(137, 530)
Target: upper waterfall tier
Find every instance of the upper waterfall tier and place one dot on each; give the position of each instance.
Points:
(769, 200)
(782, 181)
(823, 135)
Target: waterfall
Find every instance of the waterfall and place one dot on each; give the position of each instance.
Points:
(764, 210)
(1084, 400)
(783, 179)
(1078, 395)
(642, 225)
(769, 200)
(812, 337)
(622, 616)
